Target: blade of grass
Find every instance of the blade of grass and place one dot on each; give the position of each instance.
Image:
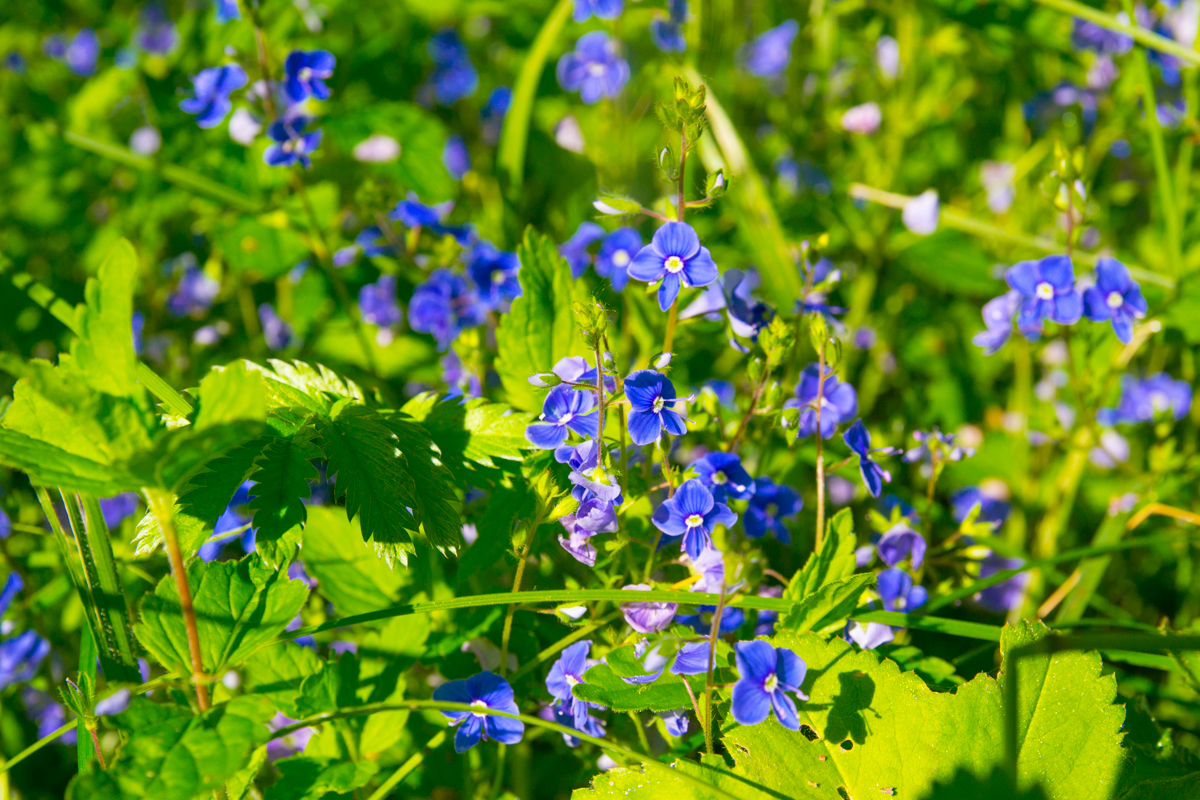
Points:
(952, 627)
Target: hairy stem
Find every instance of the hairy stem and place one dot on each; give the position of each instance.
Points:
(745, 423)
(96, 745)
(600, 403)
(672, 319)
(820, 448)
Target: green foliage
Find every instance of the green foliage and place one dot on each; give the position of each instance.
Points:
(305, 778)
(832, 563)
(472, 434)
(351, 575)
(266, 251)
(281, 484)
(103, 353)
(277, 672)
(829, 605)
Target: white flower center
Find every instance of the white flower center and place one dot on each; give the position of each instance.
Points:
(289, 145)
(305, 73)
(771, 683)
(1114, 300)
(572, 680)
(674, 264)
(694, 520)
(719, 478)
(620, 258)
(1044, 291)
(479, 704)
(1159, 402)
(658, 404)
(596, 69)
(565, 418)
(497, 276)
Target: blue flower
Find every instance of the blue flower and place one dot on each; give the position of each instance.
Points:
(769, 54)
(859, 440)
(652, 617)
(676, 721)
(765, 674)
(593, 68)
(576, 369)
(210, 88)
(21, 655)
(156, 34)
(195, 293)
(601, 9)
(692, 513)
(581, 458)
(1114, 296)
(455, 157)
(771, 504)
(667, 34)
(1047, 290)
(14, 62)
(454, 76)
(896, 590)
(563, 715)
(675, 257)
(305, 74)
(616, 252)
(1087, 35)
(226, 10)
(732, 293)
(652, 402)
(491, 118)
(839, 402)
(574, 250)
(1143, 400)
(870, 635)
(998, 317)
(566, 672)
(444, 306)
(1006, 595)
(377, 302)
(47, 714)
(991, 509)
(564, 409)
(701, 621)
(485, 690)
(724, 476)
(82, 53)
(692, 659)
(278, 333)
(116, 509)
(895, 509)
(1050, 105)
(495, 273)
(942, 443)
(292, 145)
(899, 542)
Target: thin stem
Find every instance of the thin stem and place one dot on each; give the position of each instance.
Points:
(600, 402)
(407, 767)
(672, 319)
(708, 679)
(641, 731)
(498, 779)
(512, 608)
(745, 423)
(930, 486)
(683, 144)
(161, 505)
(820, 448)
(653, 553)
(1070, 216)
(96, 745)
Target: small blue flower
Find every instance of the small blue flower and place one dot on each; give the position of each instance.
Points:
(1087, 35)
(895, 509)
(564, 409)
(117, 508)
(900, 542)
(601, 9)
(444, 306)
(1114, 296)
(676, 721)
(372, 241)
(936, 441)
(1047, 290)
(765, 675)
(771, 504)
(873, 476)
(692, 513)
(675, 257)
(576, 369)
(485, 690)
(291, 144)
(991, 509)
(692, 659)
(1143, 400)
(194, 294)
(998, 317)
(156, 34)
(839, 402)
(210, 88)
(495, 274)
(575, 249)
(82, 53)
(415, 214)
(278, 333)
(617, 251)
(652, 617)
(226, 10)
(667, 34)
(896, 590)
(305, 74)
(733, 294)
(724, 476)
(581, 458)
(454, 76)
(377, 302)
(1006, 595)
(652, 402)
(491, 118)
(565, 674)
(21, 655)
(593, 68)
(455, 157)
(701, 621)
(48, 714)
(769, 54)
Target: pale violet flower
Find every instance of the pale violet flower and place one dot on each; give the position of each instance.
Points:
(887, 57)
(244, 127)
(377, 149)
(864, 119)
(569, 135)
(920, 214)
(145, 140)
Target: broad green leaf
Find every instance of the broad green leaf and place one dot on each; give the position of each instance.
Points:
(265, 251)
(309, 778)
(867, 729)
(475, 431)
(833, 562)
(347, 570)
(277, 671)
(295, 384)
(103, 353)
(239, 605)
(951, 261)
(47, 465)
(437, 505)
(281, 486)
(232, 394)
(181, 454)
(829, 605)
(540, 329)
(495, 530)
(173, 754)
(603, 686)
(421, 136)
(1181, 788)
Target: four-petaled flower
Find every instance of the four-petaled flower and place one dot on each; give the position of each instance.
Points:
(210, 89)
(692, 513)
(564, 409)
(936, 442)
(724, 476)
(650, 617)
(771, 504)
(444, 306)
(291, 144)
(617, 251)
(305, 74)
(667, 34)
(769, 54)
(766, 674)
(991, 509)
(901, 541)
(1142, 400)
(593, 68)
(1006, 595)
(564, 675)
(1114, 297)
(1047, 290)
(675, 257)
(652, 400)
(600, 9)
(495, 273)
(483, 691)
(859, 440)
(838, 402)
(896, 590)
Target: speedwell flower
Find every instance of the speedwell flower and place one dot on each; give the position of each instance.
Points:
(564, 409)
(495, 273)
(616, 253)
(769, 54)
(210, 89)
(593, 68)
(766, 674)
(444, 306)
(292, 145)
(1114, 297)
(600, 9)
(724, 476)
(1142, 400)
(485, 690)
(771, 504)
(575, 249)
(454, 76)
(306, 73)
(859, 440)
(648, 617)
(839, 402)
(692, 513)
(675, 257)
(998, 317)
(899, 542)
(1047, 290)
(652, 400)
(565, 674)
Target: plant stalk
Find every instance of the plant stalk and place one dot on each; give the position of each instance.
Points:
(512, 608)
(820, 448)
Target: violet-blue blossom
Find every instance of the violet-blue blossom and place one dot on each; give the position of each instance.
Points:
(724, 476)
(896, 590)
(1114, 297)
(156, 33)
(291, 144)
(82, 53)
(900, 542)
(455, 157)
(47, 714)
(564, 409)
(692, 659)
(575, 249)
(771, 504)
(491, 117)
(118, 507)
(1008, 594)
(577, 542)
(676, 721)
(495, 274)
(693, 514)
(195, 292)
(305, 73)
(701, 621)
(936, 441)
(276, 331)
(20, 655)
(617, 251)
(766, 675)
(991, 509)
(484, 690)
(594, 68)
(454, 76)
(733, 294)
(868, 635)
(667, 34)
(675, 257)
(838, 402)
(1143, 400)
(648, 617)
(652, 401)
(858, 439)
(1047, 288)
(226, 11)
(377, 302)
(210, 93)
(769, 55)
(444, 306)
(1087, 35)
(600, 9)
(998, 318)
(565, 674)
(764, 624)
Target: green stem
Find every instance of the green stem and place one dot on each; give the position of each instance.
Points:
(708, 677)
(672, 319)
(820, 448)
(64, 546)
(561, 645)
(641, 731)
(516, 592)
(118, 634)
(1139, 34)
(745, 423)
(407, 767)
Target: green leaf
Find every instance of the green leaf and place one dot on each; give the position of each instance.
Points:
(103, 353)
(833, 562)
(48, 465)
(437, 506)
(540, 329)
(263, 250)
(602, 685)
(239, 606)
(373, 475)
(951, 261)
(297, 385)
(829, 605)
(868, 729)
(173, 754)
(348, 572)
(277, 671)
(231, 394)
(309, 778)
(422, 137)
(475, 432)
(281, 484)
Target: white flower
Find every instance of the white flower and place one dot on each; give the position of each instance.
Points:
(862, 119)
(377, 149)
(921, 213)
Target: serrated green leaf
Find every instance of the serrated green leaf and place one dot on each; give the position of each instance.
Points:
(540, 329)
(239, 606)
(437, 506)
(277, 672)
(833, 562)
(495, 529)
(602, 685)
(295, 384)
(348, 572)
(475, 432)
(829, 605)
(103, 353)
(281, 484)
(47, 465)
(173, 754)
(309, 778)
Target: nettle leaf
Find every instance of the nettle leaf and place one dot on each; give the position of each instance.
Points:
(437, 505)
(471, 433)
(868, 729)
(540, 329)
(833, 562)
(829, 605)
(173, 754)
(495, 529)
(240, 605)
(48, 465)
(311, 778)
(347, 571)
(103, 353)
(277, 672)
(295, 384)
(281, 486)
